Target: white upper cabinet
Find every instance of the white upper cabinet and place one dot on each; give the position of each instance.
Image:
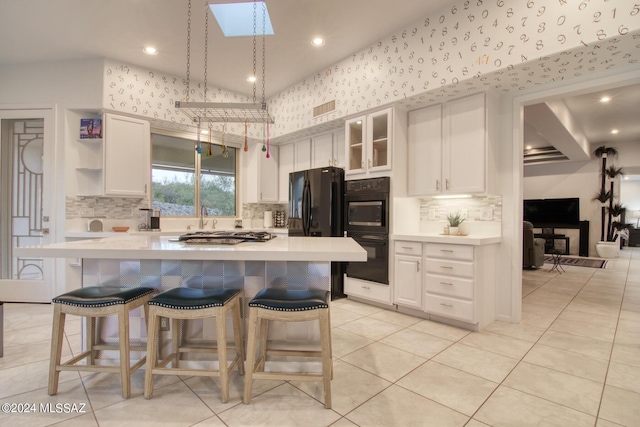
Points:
(268, 185)
(327, 150)
(447, 148)
(302, 155)
(425, 151)
(119, 164)
(464, 158)
(322, 150)
(127, 148)
(260, 175)
(369, 143)
(285, 167)
(338, 149)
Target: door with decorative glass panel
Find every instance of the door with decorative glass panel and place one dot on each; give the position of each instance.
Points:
(26, 196)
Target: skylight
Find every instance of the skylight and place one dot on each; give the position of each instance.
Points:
(236, 19)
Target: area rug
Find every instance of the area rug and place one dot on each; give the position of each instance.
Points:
(578, 262)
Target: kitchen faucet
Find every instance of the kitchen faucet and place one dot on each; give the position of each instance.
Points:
(203, 213)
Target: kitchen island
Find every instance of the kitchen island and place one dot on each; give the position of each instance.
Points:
(162, 262)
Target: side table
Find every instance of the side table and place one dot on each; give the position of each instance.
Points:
(557, 261)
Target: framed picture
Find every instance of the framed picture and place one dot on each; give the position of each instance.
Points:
(90, 128)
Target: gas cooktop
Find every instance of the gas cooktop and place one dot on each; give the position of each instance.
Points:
(225, 237)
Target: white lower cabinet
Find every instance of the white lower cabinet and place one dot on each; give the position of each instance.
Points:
(459, 282)
(407, 274)
(451, 281)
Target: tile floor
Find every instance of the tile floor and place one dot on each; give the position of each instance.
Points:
(574, 360)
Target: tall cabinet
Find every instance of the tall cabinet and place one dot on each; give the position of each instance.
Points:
(448, 148)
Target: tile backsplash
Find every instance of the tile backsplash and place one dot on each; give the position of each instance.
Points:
(103, 207)
(478, 208)
(126, 208)
(257, 210)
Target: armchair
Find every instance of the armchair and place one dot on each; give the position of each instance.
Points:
(532, 248)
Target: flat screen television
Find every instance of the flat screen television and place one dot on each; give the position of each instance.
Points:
(553, 213)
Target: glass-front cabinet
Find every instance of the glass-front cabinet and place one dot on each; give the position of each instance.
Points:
(355, 151)
(369, 143)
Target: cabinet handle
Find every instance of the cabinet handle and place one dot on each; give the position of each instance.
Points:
(437, 184)
(370, 164)
(446, 267)
(446, 250)
(444, 304)
(447, 184)
(446, 284)
(335, 162)
(409, 248)
(365, 287)
(330, 164)
(145, 189)
(418, 266)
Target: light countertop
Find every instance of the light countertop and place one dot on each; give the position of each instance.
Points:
(164, 232)
(151, 246)
(475, 240)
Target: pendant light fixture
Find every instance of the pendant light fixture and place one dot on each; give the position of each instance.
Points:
(225, 112)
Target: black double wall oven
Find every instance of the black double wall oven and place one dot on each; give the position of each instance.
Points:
(367, 222)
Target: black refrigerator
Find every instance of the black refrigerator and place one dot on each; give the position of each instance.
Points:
(316, 209)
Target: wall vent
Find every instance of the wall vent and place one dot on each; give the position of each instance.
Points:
(324, 108)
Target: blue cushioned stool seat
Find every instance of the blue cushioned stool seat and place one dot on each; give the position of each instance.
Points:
(183, 304)
(290, 300)
(193, 299)
(288, 306)
(93, 302)
(99, 296)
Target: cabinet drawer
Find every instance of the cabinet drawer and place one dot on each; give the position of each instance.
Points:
(457, 252)
(408, 248)
(450, 268)
(450, 307)
(449, 286)
(367, 290)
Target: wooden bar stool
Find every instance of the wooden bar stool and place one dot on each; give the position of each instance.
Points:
(189, 303)
(91, 303)
(288, 306)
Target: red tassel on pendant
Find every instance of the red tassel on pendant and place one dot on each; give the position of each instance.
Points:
(268, 141)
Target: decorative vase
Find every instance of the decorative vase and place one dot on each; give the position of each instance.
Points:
(453, 231)
(608, 249)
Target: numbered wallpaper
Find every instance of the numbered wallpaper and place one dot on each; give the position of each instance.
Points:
(504, 45)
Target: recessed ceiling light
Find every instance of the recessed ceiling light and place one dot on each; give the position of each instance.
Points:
(149, 50)
(615, 131)
(605, 99)
(317, 41)
(251, 79)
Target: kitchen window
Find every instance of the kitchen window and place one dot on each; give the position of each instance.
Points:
(182, 179)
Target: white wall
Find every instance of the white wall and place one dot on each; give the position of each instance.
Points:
(630, 196)
(77, 83)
